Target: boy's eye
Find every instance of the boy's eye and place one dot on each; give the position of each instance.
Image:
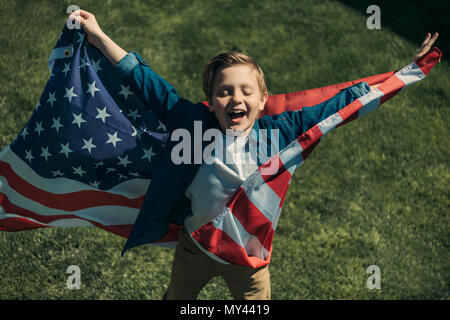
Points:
(248, 92)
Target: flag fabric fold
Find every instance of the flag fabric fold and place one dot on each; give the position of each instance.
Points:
(88, 152)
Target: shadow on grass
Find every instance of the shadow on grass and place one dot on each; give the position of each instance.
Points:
(412, 19)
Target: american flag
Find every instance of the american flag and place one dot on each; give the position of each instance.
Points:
(87, 155)
(243, 233)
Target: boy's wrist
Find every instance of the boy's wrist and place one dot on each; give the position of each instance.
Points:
(109, 48)
(100, 40)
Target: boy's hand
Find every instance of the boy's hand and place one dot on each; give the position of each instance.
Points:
(97, 37)
(87, 20)
(426, 45)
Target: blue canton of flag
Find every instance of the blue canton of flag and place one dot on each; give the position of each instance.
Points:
(87, 127)
(89, 132)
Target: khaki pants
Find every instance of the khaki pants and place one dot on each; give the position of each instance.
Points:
(192, 269)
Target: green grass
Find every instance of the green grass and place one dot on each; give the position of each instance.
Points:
(376, 191)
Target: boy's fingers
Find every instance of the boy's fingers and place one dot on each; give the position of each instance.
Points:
(84, 14)
(80, 13)
(426, 45)
(434, 38)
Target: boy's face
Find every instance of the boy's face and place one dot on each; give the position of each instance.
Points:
(236, 98)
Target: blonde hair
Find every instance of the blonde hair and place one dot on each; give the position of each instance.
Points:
(228, 59)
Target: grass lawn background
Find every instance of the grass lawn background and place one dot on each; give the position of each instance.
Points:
(374, 192)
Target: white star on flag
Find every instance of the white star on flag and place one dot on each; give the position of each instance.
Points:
(83, 64)
(28, 155)
(81, 37)
(134, 114)
(96, 65)
(148, 154)
(56, 124)
(161, 125)
(51, 98)
(98, 164)
(39, 128)
(113, 138)
(125, 91)
(78, 171)
(24, 132)
(66, 68)
(57, 173)
(88, 145)
(65, 149)
(77, 119)
(69, 94)
(92, 89)
(102, 114)
(124, 161)
(95, 184)
(45, 154)
(135, 174)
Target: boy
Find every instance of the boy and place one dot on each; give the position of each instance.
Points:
(236, 92)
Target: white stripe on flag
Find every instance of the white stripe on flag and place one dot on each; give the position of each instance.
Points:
(106, 215)
(291, 156)
(132, 188)
(370, 101)
(329, 123)
(410, 74)
(262, 196)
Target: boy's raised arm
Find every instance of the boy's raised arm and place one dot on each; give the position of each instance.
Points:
(424, 48)
(309, 116)
(97, 37)
(158, 95)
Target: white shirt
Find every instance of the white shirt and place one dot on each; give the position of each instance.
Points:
(215, 183)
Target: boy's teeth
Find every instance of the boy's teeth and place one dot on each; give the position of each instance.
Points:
(236, 114)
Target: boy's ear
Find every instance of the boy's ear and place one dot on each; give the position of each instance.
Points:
(264, 100)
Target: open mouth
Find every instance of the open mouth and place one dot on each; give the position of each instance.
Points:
(236, 115)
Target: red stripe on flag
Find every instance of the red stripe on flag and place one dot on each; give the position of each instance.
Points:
(391, 84)
(18, 224)
(70, 201)
(222, 245)
(349, 119)
(121, 230)
(350, 110)
(278, 181)
(307, 152)
(427, 62)
(310, 137)
(390, 88)
(12, 208)
(250, 217)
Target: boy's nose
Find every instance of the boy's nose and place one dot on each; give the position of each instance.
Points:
(237, 97)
